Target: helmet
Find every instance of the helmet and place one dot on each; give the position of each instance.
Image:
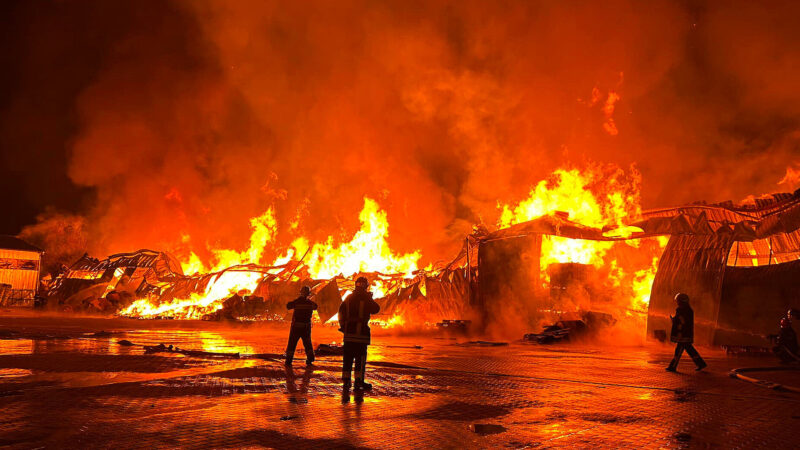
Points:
(786, 323)
(305, 290)
(682, 298)
(362, 281)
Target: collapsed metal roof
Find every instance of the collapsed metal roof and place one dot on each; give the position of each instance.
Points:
(776, 217)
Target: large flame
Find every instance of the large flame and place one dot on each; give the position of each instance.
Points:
(602, 197)
(367, 251)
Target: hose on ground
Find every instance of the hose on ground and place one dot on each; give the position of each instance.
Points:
(738, 373)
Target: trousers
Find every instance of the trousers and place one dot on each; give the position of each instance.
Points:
(354, 352)
(300, 331)
(690, 350)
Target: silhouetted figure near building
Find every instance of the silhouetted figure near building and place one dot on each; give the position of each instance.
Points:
(683, 334)
(301, 326)
(786, 347)
(354, 315)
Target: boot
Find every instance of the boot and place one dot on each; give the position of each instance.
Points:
(346, 391)
(673, 366)
(358, 397)
(699, 363)
(361, 386)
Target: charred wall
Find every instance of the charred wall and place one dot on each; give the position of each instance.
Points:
(508, 271)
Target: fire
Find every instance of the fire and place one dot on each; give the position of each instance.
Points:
(603, 197)
(395, 321)
(367, 251)
(600, 196)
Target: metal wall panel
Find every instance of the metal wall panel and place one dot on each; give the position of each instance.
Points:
(19, 254)
(694, 265)
(20, 279)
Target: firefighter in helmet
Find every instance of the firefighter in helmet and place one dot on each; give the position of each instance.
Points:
(354, 315)
(301, 326)
(786, 347)
(683, 334)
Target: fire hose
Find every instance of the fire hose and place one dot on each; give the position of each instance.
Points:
(738, 373)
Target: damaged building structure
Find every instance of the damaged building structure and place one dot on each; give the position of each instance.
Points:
(111, 285)
(737, 262)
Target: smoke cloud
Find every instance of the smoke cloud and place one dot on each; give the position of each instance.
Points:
(199, 115)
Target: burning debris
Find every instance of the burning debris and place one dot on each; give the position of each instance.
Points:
(542, 263)
(454, 326)
(565, 330)
(329, 350)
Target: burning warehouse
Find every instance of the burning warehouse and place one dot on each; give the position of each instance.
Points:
(477, 213)
(729, 258)
(737, 262)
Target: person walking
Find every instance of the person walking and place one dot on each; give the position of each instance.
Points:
(683, 334)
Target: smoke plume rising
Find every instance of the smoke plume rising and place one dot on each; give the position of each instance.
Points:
(199, 115)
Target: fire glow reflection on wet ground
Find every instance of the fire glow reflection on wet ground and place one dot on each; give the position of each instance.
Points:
(577, 395)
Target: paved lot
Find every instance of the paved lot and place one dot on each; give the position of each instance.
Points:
(62, 386)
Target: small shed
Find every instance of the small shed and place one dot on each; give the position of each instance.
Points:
(20, 264)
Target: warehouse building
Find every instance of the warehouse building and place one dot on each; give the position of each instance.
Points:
(20, 265)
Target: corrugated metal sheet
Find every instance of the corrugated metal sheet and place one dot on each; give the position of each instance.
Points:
(777, 214)
(694, 265)
(20, 279)
(19, 254)
(776, 249)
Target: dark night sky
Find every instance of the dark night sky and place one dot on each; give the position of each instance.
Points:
(52, 51)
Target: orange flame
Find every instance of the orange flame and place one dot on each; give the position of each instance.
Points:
(601, 197)
(367, 251)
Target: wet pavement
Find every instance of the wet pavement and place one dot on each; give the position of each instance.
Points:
(63, 384)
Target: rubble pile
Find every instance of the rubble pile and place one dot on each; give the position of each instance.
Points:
(565, 330)
(112, 285)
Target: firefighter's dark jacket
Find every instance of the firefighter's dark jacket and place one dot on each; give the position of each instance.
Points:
(303, 309)
(788, 339)
(683, 325)
(354, 313)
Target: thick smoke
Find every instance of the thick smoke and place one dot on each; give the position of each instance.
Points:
(64, 237)
(198, 119)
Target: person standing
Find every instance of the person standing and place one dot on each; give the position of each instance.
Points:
(301, 326)
(354, 315)
(683, 334)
